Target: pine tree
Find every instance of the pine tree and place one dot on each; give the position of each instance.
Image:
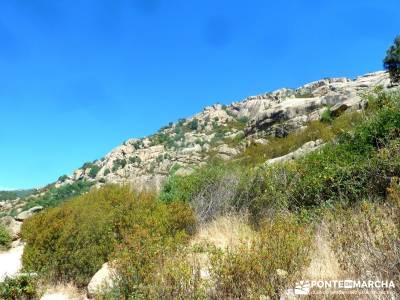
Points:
(392, 61)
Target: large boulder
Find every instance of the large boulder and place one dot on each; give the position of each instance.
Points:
(28, 213)
(102, 281)
(302, 151)
(13, 226)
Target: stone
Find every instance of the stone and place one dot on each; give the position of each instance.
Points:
(13, 226)
(302, 151)
(338, 109)
(28, 213)
(102, 281)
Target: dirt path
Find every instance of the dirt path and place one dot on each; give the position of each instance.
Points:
(10, 262)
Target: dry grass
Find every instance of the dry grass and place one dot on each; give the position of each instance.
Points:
(63, 292)
(324, 263)
(224, 232)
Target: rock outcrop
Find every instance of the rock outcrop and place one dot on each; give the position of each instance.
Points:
(28, 213)
(223, 132)
(302, 151)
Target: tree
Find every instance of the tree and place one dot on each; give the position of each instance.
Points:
(392, 61)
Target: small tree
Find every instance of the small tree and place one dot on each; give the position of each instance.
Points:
(392, 61)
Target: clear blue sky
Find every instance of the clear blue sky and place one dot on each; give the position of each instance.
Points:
(80, 77)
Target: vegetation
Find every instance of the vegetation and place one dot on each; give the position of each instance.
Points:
(54, 196)
(326, 116)
(7, 195)
(93, 171)
(352, 184)
(92, 226)
(5, 238)
(118, 164)
(20, 287)
(392, 61)
(264, 266)
(12, 195)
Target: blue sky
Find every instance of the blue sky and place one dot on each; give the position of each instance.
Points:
(80, 77)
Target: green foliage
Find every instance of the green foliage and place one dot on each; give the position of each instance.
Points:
(252, 270)
(194, 124)
(146, 246)
(184, 188)
(20, 287)
(118, 164)
(63, 178)
(8, 195)
(5, 238)
(94, 170)
(106, 172)
(135, 160)
(392, 60)
(55, 196)
(326, 116)
(90, 227)
(356, 166)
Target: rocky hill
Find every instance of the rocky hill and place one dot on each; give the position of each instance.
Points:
(224, 131)
(219, 131)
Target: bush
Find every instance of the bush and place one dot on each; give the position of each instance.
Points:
(392, 61)
(20, 287)
(354, 166)
(326, 116)
(264, 266)
(184, 188)
(93, 171)
(366, 239)
(88, 229)
(5, 238)
(118, 164)
(55, 196)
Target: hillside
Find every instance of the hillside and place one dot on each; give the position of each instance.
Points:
(237, 202)
(224, 131)
(218, 132)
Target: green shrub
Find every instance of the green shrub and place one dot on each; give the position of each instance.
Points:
(89, 227)
(326, 116)
(63, 178)
(266, 265)
(118, 164)
(193, 125)
(106, 172)
(354, 166)
(5, 238)
(93, 171)
(392, 60)
(184, 188)
(8, 195)
(55, 196)
(20, 287)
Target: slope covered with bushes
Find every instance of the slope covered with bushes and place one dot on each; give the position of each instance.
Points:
(351, 184)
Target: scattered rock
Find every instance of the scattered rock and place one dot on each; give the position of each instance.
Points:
(226, 152)
(101, 281)
(338, 109)
(28, 213)
(13, 226)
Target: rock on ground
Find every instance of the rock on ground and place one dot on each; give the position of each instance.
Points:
(28, 213)
(302, 151)
(101, 281)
